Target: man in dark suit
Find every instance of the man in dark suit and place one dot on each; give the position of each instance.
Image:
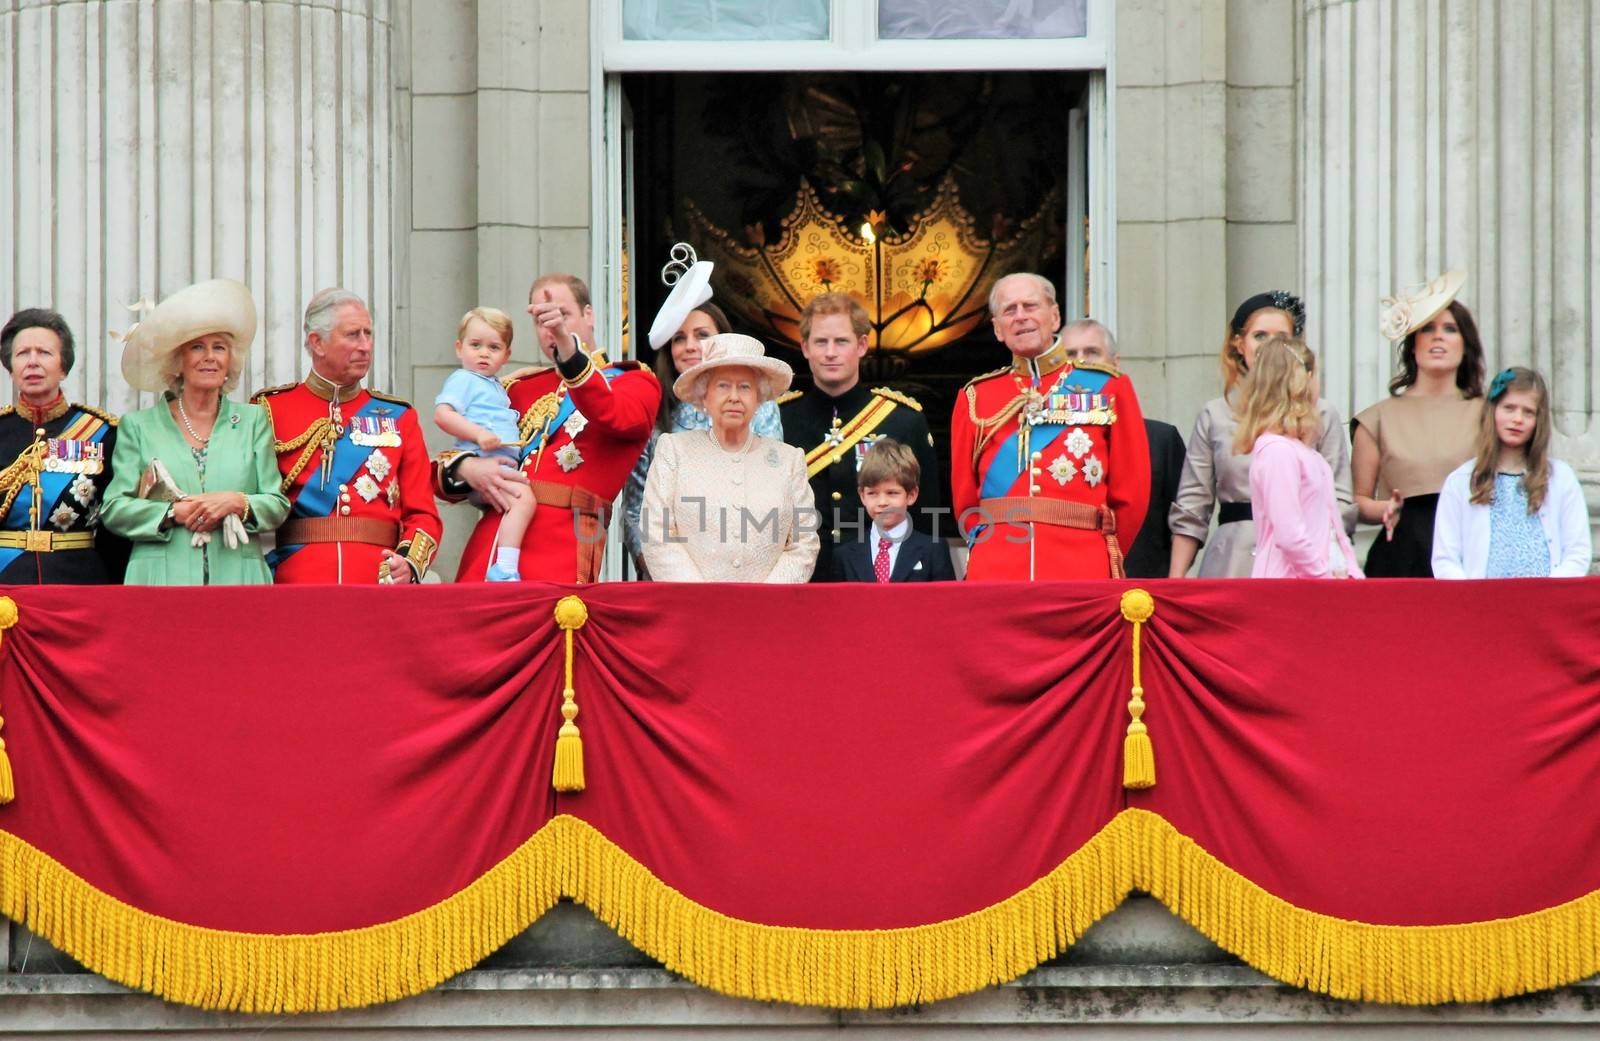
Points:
(1088, 341)
(893, 551)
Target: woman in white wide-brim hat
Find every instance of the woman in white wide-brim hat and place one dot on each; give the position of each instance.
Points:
(195, 475)
(726, 504)
(685, 322)
(1404, 447)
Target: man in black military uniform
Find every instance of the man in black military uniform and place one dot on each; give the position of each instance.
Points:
(839, 419)
(55, 463)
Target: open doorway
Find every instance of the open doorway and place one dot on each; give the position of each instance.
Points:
(913, 191)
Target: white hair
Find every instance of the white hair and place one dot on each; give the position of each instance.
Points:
(322, 308)
(1091, 325)
(1044, 285)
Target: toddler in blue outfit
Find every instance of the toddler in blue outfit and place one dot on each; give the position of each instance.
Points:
(473, 408)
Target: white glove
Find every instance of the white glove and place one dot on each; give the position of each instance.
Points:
(233, 533)
(200, 538)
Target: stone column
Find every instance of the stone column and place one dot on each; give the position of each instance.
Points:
(153, 143)
(1443, 134)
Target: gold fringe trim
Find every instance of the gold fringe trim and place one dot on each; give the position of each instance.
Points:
(874, 968)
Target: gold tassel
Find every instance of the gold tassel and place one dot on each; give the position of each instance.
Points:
(8, 787)
(568, 773)
(1138, 755)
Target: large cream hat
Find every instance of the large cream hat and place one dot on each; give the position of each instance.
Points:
(729, 349)
(1411, 309)
(218, 306)
(690, 279)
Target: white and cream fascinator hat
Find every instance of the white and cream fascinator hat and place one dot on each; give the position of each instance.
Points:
(220, 305)
(1412, 308)
(690, 279)
(726, 350)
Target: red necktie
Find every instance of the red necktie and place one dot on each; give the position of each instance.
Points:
(880, 563)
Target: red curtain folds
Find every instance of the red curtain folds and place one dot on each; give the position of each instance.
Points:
(307, 798)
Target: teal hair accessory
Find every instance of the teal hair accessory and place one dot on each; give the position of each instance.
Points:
(1501, 382)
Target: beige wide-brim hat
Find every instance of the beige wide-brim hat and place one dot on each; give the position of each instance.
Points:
(730, 349)
(1411, 309)
(691, 290)
(218, 306)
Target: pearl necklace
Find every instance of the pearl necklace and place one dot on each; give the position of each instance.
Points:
(736, 453)
(184, 415)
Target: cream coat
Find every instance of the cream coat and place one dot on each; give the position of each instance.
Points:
(716, 516)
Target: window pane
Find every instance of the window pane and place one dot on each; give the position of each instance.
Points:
(981, 19)
(725, 19)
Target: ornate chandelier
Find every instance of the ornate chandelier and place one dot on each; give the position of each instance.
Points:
(922, 289)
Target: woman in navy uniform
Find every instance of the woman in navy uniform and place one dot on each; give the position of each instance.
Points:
(57, 462)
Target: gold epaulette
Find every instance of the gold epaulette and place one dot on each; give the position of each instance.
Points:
(631, 365)
(524, 373)
(264, 391)
(895, 396)
(793, 395)
(8, 410)
(1109, 370)
(98, 413)
(388, 397)
(974, 381)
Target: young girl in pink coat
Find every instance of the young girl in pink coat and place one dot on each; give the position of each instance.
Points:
(1299, 533)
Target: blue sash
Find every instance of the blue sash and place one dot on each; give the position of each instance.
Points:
(563, 413)
(317, 499)
(53, 486)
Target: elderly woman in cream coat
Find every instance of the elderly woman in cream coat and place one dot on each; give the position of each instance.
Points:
(726, 504)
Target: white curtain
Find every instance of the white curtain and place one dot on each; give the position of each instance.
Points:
(981, 19)
(725, 19)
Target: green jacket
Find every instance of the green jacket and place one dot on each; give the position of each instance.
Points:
(240, 458)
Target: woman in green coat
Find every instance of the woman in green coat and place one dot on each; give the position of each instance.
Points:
(191, 517)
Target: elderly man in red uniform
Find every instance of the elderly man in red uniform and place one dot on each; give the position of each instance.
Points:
(1050, 467)
(354, 462)
(583, 423)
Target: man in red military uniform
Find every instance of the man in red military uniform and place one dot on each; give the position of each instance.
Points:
(354, 463)
(1050, 466)
(583, 424)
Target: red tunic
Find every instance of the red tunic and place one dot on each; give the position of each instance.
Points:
(392, 485)
(1100, 458)
(594, 453)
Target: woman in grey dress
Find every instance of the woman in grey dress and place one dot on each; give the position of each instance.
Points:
(1215, 480)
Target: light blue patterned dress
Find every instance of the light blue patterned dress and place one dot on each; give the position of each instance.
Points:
(684, 417)
(1517, 547)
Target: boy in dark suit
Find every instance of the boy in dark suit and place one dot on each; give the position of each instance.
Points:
(893, 551)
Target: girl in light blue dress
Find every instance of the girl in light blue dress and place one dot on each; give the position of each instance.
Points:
(1513, 512)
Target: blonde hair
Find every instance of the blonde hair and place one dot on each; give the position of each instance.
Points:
(889, 460)
(1232, 359)
(494, 318)
(1536, 474)
(1279, 395)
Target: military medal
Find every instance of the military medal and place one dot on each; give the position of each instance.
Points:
(575, 424)
(366, 487)
(378, 465)
(1063, 470)
(394, 494)
(63, 516)
(1093, 471)
(83, 489)
(1078, 442)
(569, 457)
(374, 432)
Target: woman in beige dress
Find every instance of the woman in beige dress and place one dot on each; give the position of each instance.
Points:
(1407, 444)
(1214, 477)
(726, 504)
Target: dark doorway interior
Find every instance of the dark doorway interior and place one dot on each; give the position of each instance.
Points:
(721, 161)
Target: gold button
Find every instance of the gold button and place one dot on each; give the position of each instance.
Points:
(345, 510)
(1034, 489)
(1038, 455)
(346, 497)
(837, 496)
(38, 432)
(1036, 471)
(344, 487)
